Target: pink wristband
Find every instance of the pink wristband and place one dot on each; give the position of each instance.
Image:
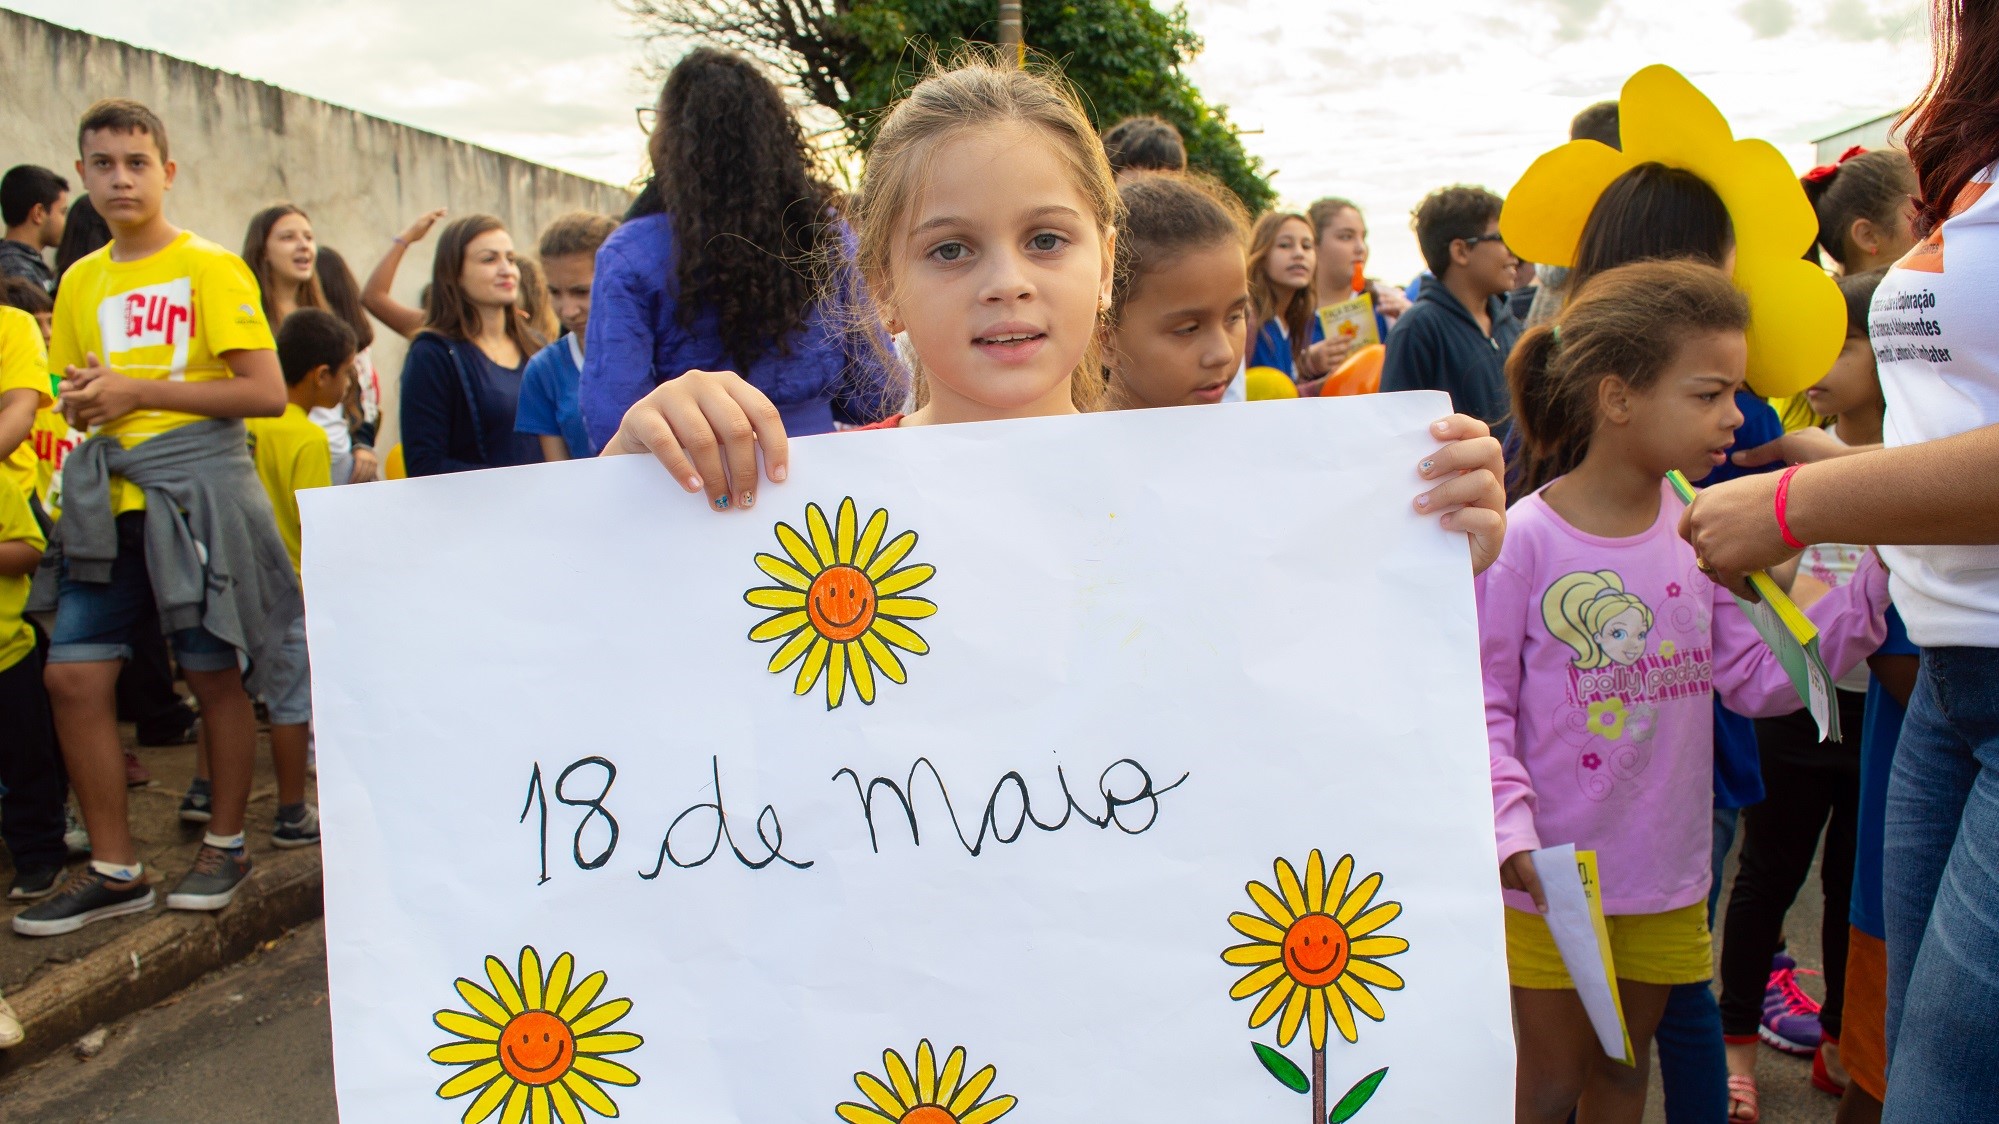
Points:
(1783, 506)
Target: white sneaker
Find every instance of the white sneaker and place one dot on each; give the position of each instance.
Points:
(10, 1027)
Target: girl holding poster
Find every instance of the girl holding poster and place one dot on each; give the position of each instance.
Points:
(987, 222)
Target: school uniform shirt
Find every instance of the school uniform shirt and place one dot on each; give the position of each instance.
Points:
(23, 366)
(548, 396)
(1273, 345)
(1436, 345)
(1601, 657)
(53, 437)
(172, 315)
(291, 455)
(17, 524)
(1936, 345)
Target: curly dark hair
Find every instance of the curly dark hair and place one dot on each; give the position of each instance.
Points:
(750, 214)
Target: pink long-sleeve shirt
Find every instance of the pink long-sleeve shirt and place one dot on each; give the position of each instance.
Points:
(1601, 656)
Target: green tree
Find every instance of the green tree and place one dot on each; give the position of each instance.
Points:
(855, 57)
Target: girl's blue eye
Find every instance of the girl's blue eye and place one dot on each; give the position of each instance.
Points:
(949, 251)
(1046, 241)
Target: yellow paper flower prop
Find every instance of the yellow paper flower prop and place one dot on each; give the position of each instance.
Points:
(1797, 319)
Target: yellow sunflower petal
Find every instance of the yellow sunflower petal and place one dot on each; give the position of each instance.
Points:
(1248, 954)
(589, 1094)
(864, 675)
(822, 535)
(815, 663)
(836, 674)
(1257, 928)
(792, 650)
(954, 1068)
(1342, 1016)
(1272, 1001)
(1317, 1019)
(1367, 971)
(906, 608)
(883, 657)
(1357, 900)
(1277, 909)
(861, 1114)
(1362, 998)
(974, 1088)
(1374, 919)
(1545, 212)
(1287, 885)
(904, 580)
(1294, 1014)
(1315, 882)
(871, 537)
(801, 552)
(772, 597)
(460, 1053)
(538, 1107)
(843, 532)
(580, 998)
(465, 1081)
(1378, 946)
(783, 624)
(517, 1106)
(990, 1111)
(482, 1001)
(784, 572)
(883, 1097)
(1256, 981)
(599, 1017)
(531, 978)
(604, 1069)
(1796, 322)
(565, 1104)
(926, 1070)
(1336, 882)
(558, 982)
(616, 1042)
(898, 1077)
(897, 549)
(465, 1026)
(488, 1102)
(899, 635)
(509, 993)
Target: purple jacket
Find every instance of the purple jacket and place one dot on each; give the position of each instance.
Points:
(635, 342)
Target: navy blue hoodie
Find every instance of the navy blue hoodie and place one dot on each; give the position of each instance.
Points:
(1436, 345)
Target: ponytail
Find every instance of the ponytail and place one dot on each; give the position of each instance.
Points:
(1860, 185)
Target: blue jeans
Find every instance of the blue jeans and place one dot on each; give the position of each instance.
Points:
(94, 620)
(1693, 1065)
(1941, 875)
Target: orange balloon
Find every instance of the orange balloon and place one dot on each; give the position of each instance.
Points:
(1360, 374)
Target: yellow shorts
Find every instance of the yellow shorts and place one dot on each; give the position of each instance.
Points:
(1652, 948)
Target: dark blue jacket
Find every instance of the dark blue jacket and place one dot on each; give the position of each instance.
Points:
(456, 414)
(1436, 345)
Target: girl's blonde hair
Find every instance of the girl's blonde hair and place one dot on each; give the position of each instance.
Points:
(978, 92)
(1577, 607)
(1266, 304)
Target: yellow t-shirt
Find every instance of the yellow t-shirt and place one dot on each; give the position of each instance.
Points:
(17, 637)
(53, 439)
(291, 453)
(23, 366)
(169, 315)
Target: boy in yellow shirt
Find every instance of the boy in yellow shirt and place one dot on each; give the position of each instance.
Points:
(161, 342)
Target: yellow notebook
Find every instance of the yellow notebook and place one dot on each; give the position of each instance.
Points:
(1351, 320)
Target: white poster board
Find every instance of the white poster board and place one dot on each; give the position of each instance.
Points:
(1168, 650)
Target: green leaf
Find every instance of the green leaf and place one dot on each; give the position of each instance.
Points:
(1283, 1069)
(1356, 1098)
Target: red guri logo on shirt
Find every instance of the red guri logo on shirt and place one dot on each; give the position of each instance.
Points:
(159, 315)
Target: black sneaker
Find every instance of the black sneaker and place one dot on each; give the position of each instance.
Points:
(194, 807)
(34, 881)
(302, 831)
(213, 881)
(174, 727)
(88, 896)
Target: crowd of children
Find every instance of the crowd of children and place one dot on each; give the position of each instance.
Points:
(163, 400)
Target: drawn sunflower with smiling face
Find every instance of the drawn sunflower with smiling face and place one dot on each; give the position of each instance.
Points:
(534, 1045)
(926, 1094)
(840, 605)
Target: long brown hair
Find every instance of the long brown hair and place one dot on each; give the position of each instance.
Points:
(1953, 129)
(255, 255)
(1630, 322)
(1296, 311)
(448, 311)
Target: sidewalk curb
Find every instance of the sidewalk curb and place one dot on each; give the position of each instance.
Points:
(169, 951)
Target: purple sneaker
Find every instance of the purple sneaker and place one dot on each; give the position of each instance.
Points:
(1790, 1017)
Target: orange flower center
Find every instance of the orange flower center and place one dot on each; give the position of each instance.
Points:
(536, 1048)
(1316, 948)
(927, 1114)
(841, 603)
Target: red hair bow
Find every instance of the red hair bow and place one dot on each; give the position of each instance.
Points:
(1825, 172)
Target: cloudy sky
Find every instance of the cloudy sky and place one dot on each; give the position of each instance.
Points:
(1375, 100)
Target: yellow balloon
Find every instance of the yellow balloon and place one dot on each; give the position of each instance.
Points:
(1265, 384)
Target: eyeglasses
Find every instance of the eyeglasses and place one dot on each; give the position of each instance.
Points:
(1472, 242)
(648, 117)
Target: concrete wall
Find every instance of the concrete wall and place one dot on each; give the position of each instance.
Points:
(242, 145)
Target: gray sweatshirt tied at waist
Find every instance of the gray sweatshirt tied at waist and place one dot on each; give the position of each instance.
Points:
(212, 544)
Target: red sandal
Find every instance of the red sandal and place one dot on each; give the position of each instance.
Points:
(1742, 1094)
